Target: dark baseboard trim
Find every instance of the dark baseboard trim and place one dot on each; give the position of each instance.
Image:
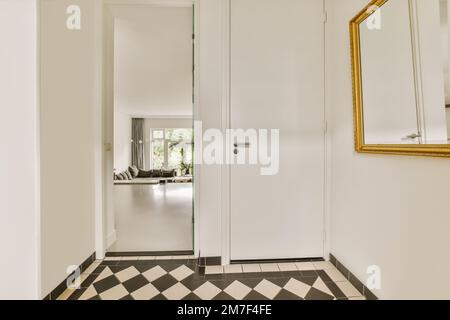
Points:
(63, 285)
(353, 279)
(150, 253)
(209, 261)
(276, 260)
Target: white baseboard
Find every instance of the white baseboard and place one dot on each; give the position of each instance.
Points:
(112, 237)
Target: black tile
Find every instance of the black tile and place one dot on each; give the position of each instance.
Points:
(169, 265)
(356, 283)
(315, 294)
(192, 296)
(222, 284)
(369, 294)
(144, 267)
(255, 296)
(165, 282)
(281, 282)
(333, 259)
(335, 290)
(135, 283)
(253, 282)
(110, 263)
(309, 273)
(286, 295)
(223, 296)
(98, 270)
(219, 276)
(97, 297)
(307, 280)
(76, 294)
(117, 269)
(105, 284)
(193, 282)
(159, 297)
(89, 280)
(128, 297)
(324, 276)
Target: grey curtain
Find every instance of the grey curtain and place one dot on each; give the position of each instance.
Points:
(137, 146)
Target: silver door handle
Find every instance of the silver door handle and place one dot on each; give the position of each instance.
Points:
(412, 136)
(242, 145)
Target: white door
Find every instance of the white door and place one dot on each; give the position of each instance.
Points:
(277, 81)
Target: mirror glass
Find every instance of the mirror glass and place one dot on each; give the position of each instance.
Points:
(405, 73)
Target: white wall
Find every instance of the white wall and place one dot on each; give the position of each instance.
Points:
(67, 140)
(390, 211)
(122, 141)
(153, 60)
(210, 100)
(19, 216)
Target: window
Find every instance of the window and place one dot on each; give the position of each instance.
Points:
(172, 149)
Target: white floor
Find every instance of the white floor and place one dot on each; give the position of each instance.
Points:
(153, 217)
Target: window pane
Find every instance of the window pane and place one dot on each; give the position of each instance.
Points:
(179, 134)
(175, 155)
(158, 134)
(158, 154)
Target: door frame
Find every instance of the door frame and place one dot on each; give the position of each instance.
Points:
(104, 115)
(226, 124)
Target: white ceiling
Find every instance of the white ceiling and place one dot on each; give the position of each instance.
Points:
(153, 61)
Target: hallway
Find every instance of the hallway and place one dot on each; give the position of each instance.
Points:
(181, 278)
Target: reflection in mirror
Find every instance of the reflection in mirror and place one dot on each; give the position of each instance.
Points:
(405, 73)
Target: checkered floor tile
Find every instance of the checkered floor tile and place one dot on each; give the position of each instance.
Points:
(182, 279)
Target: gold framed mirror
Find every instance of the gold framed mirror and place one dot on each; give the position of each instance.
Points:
(401, 77)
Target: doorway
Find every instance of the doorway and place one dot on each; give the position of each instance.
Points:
(150, 200)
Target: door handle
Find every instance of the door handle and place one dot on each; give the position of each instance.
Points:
(242, 145)
(412, 136)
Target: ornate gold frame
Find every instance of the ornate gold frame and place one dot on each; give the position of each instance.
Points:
(432, 150)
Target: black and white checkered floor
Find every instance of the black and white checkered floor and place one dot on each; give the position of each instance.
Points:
(180, 278)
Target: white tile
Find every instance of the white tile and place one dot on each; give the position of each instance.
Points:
(247, 268)
(357, 298)
(112, 259)
(147, 258)
(348, 289)
(213, 269)
(269, 267)
(207, 291)
(323, 265)
(92, 267)
(305, 266)
(335, 275)
(164, 258)
(288, 266)
(134, 258)
(238, 290)
(115, 293)
(147, 292)
(233, 268)
(104, 274)
(176, 292)
(88, 294)
(268, 289)
(182, 257)
(320, 285)
(181, 272)
(154, 273)
(298, 288)
(66, 294)
(127, 274)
